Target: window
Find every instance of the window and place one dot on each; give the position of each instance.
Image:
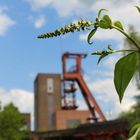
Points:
(50, 85)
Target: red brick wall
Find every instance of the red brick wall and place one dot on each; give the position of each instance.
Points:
(62, 117)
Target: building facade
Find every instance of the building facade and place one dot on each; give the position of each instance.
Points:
(47, 100)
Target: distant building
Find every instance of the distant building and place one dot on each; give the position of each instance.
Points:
(48, 112)
(27, 118)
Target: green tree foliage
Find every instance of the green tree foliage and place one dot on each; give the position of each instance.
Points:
(133, 115)
(134, 133)
(12, 124)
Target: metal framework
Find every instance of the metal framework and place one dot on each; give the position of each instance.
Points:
(75, 76)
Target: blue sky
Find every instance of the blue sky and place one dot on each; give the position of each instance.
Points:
(22, 55)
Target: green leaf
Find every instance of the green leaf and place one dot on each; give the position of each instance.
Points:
(136, 132)
(133, 129)
(118, 24)
(123, 73)
(110, 48)
(100, 11)
(105, 23)
(97, 53)
(91, 35)
(107, 19)
(101, 57)
(138, 8)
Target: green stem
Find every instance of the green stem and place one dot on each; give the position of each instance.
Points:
(132, 40)
(126, 51)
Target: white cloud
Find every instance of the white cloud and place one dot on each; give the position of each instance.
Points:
(5, 21)
(38, 22)
(82, 105)
(103, 35)
(104, 89)
(111, 61)
(123, 11)
(37, 4)
(126, 13)
(21, 98)
(105, 92)
(108, 73)
(64, 8)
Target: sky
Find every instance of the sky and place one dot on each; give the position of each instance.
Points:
(23, 56)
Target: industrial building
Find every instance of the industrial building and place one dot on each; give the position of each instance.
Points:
(49, 114)
(27, 118)
(56, 114)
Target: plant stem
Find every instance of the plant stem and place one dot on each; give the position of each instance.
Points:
(126, 51)
(131, 39)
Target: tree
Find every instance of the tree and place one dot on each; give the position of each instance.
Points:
(12, 124)
(133, 115)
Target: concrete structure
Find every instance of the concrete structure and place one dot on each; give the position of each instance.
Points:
(47, 100)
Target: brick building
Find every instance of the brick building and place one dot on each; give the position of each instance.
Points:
(27, 118)
(48, 112)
